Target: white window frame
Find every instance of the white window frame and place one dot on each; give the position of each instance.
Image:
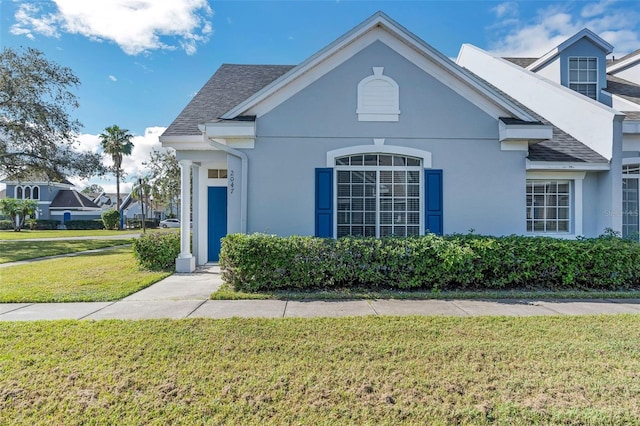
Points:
(631, 163)
(596, 83)
(575, 201)
(420, 169)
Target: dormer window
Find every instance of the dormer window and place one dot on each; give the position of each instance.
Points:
(378, 98)
(583, 76)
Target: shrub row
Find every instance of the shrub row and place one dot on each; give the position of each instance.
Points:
(157, 251)
(6, 224)
(43, 224)
(263, 262)
(84, 224)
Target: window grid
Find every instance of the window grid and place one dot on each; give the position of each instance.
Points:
(378, 196)
(631, 201)
(583, 76)
(548, 204)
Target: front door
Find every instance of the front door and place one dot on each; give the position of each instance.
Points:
(217, 220)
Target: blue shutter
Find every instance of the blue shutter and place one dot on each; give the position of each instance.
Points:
(433, 201)
(324, 202)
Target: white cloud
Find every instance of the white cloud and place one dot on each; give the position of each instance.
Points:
(132, 164)
(557, 22)
(113, 78)
(136, 26)
(506, 9)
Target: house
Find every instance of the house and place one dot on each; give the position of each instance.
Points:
(56, 200)
(379, 134)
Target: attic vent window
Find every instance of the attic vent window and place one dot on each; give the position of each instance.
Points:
(378, 98)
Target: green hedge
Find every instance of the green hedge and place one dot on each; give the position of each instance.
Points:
(6, 224)
(43, 224)
(84, 224)
(157, 251)
(263, 262)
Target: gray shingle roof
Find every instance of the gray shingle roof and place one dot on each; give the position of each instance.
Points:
(632, 54)
(623, 88)
(70, 199)
(522, 62)
(632, 115)
(228, 87)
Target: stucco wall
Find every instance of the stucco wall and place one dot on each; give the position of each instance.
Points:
(484, 188)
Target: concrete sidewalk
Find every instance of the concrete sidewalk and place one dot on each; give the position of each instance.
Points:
(187, 296)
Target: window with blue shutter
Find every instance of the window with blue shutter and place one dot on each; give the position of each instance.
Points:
(324, 202)
(433, 201)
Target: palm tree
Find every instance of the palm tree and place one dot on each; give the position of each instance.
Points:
(116, 142)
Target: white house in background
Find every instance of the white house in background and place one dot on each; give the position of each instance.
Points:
(379, 134)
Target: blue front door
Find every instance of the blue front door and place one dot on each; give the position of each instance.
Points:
(217, 220)
(66, 217)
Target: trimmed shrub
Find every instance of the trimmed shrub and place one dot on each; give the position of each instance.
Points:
(6, 224)
(264, 262)
(110, 219)
(85, 224)
(157, 251)
(43, 224)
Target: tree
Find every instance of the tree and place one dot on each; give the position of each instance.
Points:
(164, 177)
(94, 188)
(37, 134)
(18, 210)
(116, 142)
(141, 191)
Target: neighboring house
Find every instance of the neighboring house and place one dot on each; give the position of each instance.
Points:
(595, 101)
(56, 200)
(379, 134)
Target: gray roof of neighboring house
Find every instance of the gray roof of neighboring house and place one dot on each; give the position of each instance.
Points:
(39, 178)
(623, 88)
(70, 199)
(227, 88)
(521, 62)
(632, 115)
(630, 55)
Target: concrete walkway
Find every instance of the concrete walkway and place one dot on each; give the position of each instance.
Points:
(187, 296)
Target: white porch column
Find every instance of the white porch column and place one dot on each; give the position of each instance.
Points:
(185, 261)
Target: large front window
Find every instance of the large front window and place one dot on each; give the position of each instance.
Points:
(548, 204)
(378, 195)
(630, 200)
(583, 76)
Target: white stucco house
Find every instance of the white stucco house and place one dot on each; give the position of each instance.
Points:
(379, 134)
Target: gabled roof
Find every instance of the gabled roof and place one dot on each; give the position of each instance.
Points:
(340, 50)
(36, 179)
(228, 87)
(71, 199)
(625, 61)
(584, 33)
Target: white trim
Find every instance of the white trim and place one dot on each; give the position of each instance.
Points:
(578, 206)
(530, 132)
(514, 145)
(620, 66)
(425, 156)
(540, 175)
(74, 212)
(584, 33)
(378, 27)
(623, 104)
(566, 165)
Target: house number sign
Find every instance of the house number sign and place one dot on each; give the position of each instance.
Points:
(231, 182)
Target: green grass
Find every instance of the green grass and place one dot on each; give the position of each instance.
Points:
(365, 370)
(26, 234)
(226, 292)
(12, 251)
(95, 277)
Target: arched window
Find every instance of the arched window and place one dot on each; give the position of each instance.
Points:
(27, 192)
(35, 194)
(378, 98)
(19, 192)
(378, 195)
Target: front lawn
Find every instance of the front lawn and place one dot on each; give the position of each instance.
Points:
(95, 277)
(12, 251)
(365, 370)
(27, 234)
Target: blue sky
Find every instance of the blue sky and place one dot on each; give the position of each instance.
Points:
(141, 61)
